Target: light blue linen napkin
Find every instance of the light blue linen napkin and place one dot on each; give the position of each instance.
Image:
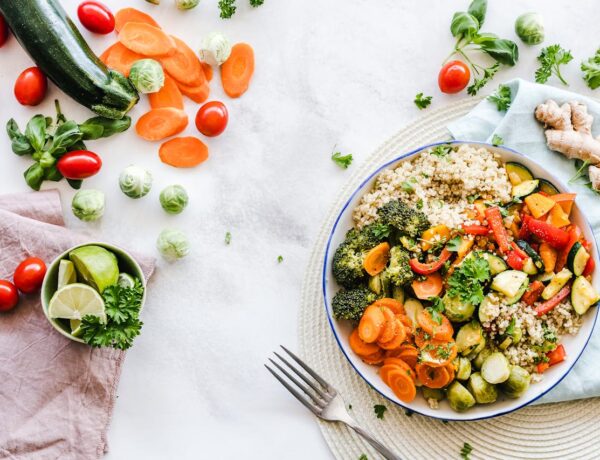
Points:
(522, 132)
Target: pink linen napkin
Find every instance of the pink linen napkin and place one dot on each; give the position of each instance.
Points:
(56, 395)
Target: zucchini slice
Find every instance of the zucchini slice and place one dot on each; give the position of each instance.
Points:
(545, 277)
(529, 267)
(537, 260)
(517, 172)
(557, 283)
(525, 188)
(497, 264)
(519, 294)
(583, 295)
(509, 282)
(548, 187)
(577, 259)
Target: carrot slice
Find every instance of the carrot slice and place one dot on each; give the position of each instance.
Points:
(443, 331)
(451, 371)
(403, 386)
(390, 329)
(120, 58)
(392, 304)
(197, 94)
(436, 353)
(375, 358)
(409, 355)
(183, 152)
(376, 259)
(208, 71)
(104, 56)
(396, 341)
(159, 124)
(183, 65)
(432, 377)
(421, 337)
(146, 39)
(237, 70)
(359, 346)
(125, 15)
(430, 286)
(371, 324)
(390, 365)
(168, 96)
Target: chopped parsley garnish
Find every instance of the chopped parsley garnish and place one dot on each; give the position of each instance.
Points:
(454, 244)
(420, 203)
(502, 98)
(591, 70)
(467, 281)
(343, 161)
(379, 410)
(228, 238)
(471, 198)
(465, 452)
(421, 101)
(441, 150)
(227, 8)
(478, 83)
(497, 140)
(436, 309)
(408, 185)
(256, 3)
(551, 58)
(549, 336)
(279, 259)
(510, 330)
(380, 231)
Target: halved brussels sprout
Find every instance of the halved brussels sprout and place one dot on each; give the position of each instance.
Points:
(463, 368)
(433, 393)
(380, 285)
(147, 76)
(517, 383)
(484, 392)
(469, 338)
(459, 397)
(413, 307)
(398, 293)
(530, 28)
(488, 310)
(215, 49)
(495, 368)
(457, 310)
(480, 358)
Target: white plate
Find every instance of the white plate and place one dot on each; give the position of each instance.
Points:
(574, 345)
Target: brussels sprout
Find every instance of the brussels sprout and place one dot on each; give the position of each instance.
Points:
(88, 205)
(413, 307)
(495, 368)
(173, 244)
(457, 310)
(481, 357)
(463, 368)
(398, 293)
(517, 383)
(135, 182)
(459, 397)
(147, 76)
(174, 199)
(186, 4)
(380, 285)
(484, 392)
(469, 338)
(530, 28)
(488, 310)
(215, 49)
(433, 393)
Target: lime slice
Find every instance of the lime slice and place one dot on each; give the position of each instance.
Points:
(126, 280)
(76, 300)
(75, 327)
(66, 273)
(96, 266)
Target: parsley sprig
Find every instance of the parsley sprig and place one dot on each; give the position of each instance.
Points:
(421, 101)
(502, 97)
(343, 161)
(465, 452)
(436, 309)
(591, 70)
(468, 280)
(551, 58)
(379, 410)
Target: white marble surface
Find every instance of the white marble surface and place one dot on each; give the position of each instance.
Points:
(329, 72)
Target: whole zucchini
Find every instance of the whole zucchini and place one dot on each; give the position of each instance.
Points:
(45, 31)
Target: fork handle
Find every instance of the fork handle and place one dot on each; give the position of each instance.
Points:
(383, 450)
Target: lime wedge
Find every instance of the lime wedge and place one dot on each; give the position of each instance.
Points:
(76, 300)
(66, 273)
(75, 327)
(95, 266)
(126, 280)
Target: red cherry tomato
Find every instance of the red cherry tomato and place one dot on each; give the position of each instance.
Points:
(453, 77)
(29, 275)
(3, 30)
(96, 17)
(9, 296)
(31, 86)
(212, 118)
(79, 164)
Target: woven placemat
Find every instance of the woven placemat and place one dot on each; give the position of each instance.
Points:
(552, 431)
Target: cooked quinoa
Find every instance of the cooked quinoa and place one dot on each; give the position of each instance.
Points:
(442, 186)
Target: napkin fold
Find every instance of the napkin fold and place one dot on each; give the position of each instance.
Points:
(56, 395)
(522, 132)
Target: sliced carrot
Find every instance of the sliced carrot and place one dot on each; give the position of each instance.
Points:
(208, 71)
(158, 124)
(375, 358)
(168, 96)
(183, 65)
(385, 371)
(359, 346)
(390, 367)
(451, 371)
(408, 326)
(125, 15)
(409, 354)
(396, 341)
(146, 40)
(371, 324)
(403, 386)
(197, 94)
(394, 305)
(237, 70)
(432, 377)
(443, 331)
(183, 152)
(376, 259)
(400, 363)
(390, 329)
(120, 58)
(421, 337)
(428, 286)
(104, 56)
(436, 353)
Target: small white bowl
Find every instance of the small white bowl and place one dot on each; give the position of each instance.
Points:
(574, 345)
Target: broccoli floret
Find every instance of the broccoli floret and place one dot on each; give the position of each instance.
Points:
(406, 220)
(350, 304)
(398, 271)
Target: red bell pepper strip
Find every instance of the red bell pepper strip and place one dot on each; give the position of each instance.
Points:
(557, 355)
(549, 304)
(522, 254)
(524, 231)
(514, 260)
(533, 293)
(574, 236)
(555, 237)
(495, 222)
(476, 229)
(589, 267)
(431, 267)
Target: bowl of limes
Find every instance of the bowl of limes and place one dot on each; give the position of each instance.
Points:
(93, 293)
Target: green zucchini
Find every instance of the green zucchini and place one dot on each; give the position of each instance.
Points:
(557, 283)
(545, 277)
(497, 264)
(525, 188)
(51, 39)
(509, 282)
(583, 295)
(535, 257)
(519, 294)
(548, 187)
(529, 267)
(517, 172)
(577, 259)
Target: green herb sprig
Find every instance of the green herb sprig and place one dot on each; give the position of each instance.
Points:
(502, 97)
(591, 70)
(421, 101)
(379, 410)
(551, 58)
(468, 280)
(343, 161)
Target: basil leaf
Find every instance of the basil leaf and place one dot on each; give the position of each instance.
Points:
(66, 135)
(47, 160)
(34, 176)
(98, 127)
(464, 24)
(502, 50)
(75, 183)
(18, 141)
(52, 173)
(478, 8)
(36, 132)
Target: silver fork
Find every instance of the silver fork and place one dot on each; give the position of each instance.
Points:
(321, 398)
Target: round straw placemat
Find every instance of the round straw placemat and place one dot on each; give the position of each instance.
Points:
(551, 431)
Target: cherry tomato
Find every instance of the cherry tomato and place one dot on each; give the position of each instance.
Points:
(212, 118)
(96, 17)
(31, 86)
(9, 296)
(3, 30)
(29, 275)
(453, 77)
(79, 164)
